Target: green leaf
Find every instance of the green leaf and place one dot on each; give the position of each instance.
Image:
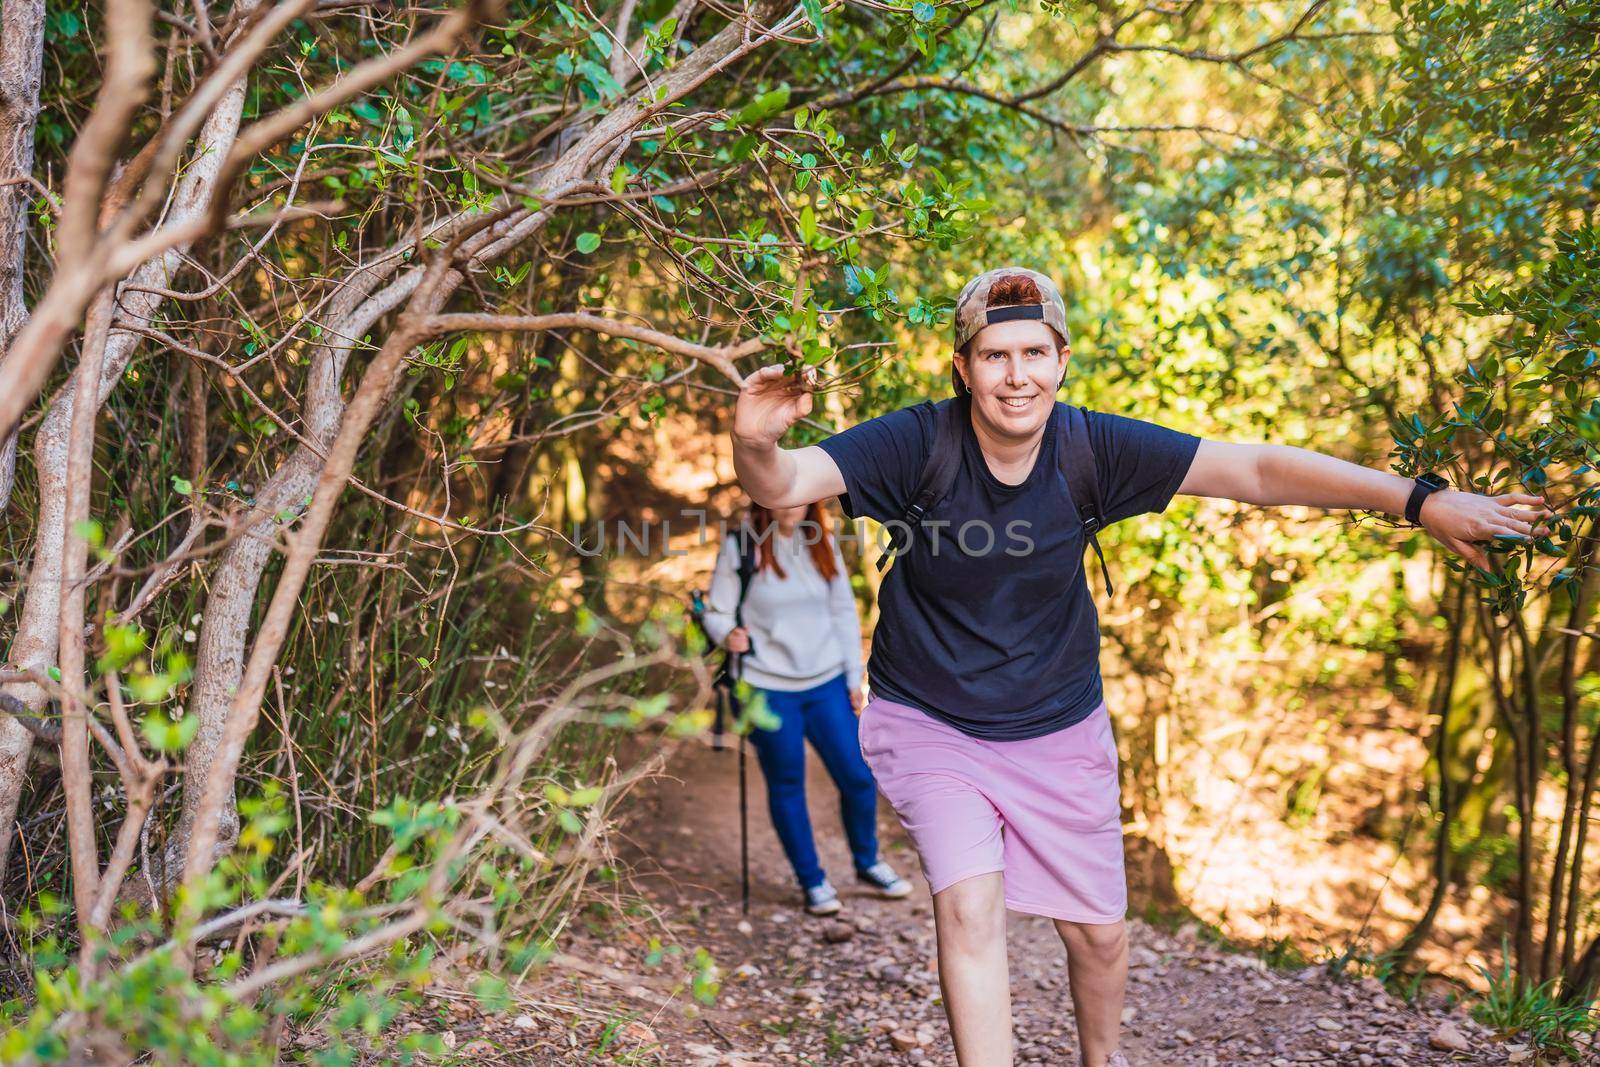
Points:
(588, 242)
(582, 798)
(90, 531)
(813, 12)
(182, 486)
(763, 106)
(493, 993)
(165, 735)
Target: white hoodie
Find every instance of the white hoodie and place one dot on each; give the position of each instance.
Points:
(803, 630)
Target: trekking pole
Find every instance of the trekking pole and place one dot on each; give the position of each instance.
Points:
(744, 808)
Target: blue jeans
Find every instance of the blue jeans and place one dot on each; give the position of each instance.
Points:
(824, 715)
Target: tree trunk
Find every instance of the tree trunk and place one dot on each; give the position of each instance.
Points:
(21, 59)
(34, 645)
(1571, 711)
(1444, 704)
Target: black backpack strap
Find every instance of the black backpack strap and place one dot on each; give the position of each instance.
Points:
(747, 571)
(728, 674)
(746, 544)
(1076, 457)
(938, 474)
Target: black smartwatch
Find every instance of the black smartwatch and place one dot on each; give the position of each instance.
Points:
(1425, 484)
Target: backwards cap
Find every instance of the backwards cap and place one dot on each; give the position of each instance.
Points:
(973, 312)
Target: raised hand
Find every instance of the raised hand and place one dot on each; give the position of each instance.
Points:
(1459, 519)
(769, 403)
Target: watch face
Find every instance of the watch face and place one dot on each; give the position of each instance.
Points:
(1433, 479)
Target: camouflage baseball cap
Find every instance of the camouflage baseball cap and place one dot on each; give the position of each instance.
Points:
(973, 312)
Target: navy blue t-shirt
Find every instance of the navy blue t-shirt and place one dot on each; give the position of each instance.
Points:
(987, 623)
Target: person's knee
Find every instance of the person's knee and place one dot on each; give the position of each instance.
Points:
(1099, 943)
(972, 915)
(856, 779)
(786, 778)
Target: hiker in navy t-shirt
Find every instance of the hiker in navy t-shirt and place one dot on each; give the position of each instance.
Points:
(987, 729)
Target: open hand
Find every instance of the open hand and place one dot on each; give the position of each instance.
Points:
(769, 403)
(738, 640)
(1461, 520)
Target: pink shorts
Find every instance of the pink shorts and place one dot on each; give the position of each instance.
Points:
(1046, 811)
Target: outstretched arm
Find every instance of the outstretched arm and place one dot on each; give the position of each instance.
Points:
(1272, 475)
(776, 477)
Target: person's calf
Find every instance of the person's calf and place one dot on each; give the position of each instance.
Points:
(969, 923)
(1097, 968)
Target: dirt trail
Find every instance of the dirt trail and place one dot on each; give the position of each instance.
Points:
(861, 989)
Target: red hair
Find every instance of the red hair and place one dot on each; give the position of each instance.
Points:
(821, 549)
(1008, 290)
(1014, 289)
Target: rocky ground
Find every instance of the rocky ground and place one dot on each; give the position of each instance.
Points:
(861, 988)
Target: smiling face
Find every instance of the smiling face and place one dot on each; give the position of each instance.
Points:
(1013, 370)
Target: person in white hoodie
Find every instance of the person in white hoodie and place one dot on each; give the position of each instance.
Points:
(800, 648)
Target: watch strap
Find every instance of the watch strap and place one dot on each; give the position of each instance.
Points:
(1420, 490)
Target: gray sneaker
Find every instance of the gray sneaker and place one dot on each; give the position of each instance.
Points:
(822, 899)
(882, 877)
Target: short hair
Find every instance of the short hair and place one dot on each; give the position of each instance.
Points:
(1008, 290)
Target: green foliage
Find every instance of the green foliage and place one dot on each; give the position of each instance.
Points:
(1515, 1006)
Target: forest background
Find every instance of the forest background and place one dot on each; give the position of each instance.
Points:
(332, 330)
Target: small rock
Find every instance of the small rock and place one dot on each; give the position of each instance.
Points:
(1185, 1036)
(838, 932)
(1447, 1038)
(747, 970)
(1128, 1014)
(904, 1040)
(449, 1038)
(1139, 956)
(745, 928)
(1325, 1023)
(523, 1022)
(639, 1033)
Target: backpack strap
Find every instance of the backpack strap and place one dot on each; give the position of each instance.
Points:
(1076, 457)
(938, 474)
(746, 571)
(730, 671)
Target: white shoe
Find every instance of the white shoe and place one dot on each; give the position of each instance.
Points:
(883, 878)
(823, 899)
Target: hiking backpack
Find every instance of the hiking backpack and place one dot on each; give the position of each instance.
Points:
(1074, 455)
